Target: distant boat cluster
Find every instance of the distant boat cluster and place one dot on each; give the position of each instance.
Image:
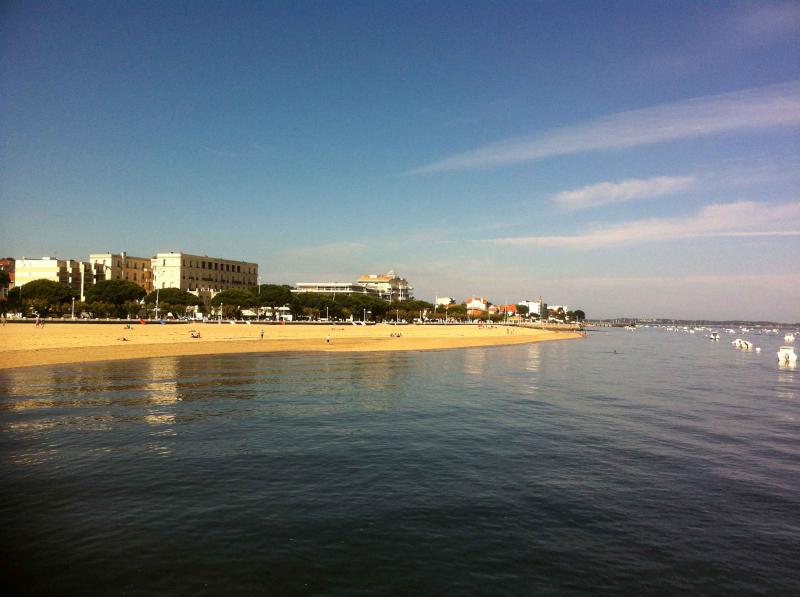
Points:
(786, 354)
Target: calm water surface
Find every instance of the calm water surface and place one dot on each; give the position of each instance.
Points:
(672, 465)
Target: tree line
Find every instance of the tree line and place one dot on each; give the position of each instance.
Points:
(120, 298)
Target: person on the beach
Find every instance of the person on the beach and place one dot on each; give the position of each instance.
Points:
(328, 339)
(262, 333)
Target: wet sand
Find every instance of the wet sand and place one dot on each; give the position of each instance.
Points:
(24, 345)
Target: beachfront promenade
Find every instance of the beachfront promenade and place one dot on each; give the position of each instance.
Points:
(23, 345)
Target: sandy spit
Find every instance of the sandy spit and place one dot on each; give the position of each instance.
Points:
(24, 345)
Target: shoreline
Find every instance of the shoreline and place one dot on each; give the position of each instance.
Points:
(58, 344)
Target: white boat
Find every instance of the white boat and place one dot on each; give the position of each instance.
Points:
(743, 344)
(788, 337)
(714, 337)
(787, 355)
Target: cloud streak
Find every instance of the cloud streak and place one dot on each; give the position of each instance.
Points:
(739, 219)
(757, 108)
(632, 189)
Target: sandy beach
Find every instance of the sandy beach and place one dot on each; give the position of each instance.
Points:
(24, 345)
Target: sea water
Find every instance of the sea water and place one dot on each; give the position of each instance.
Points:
(639, 461)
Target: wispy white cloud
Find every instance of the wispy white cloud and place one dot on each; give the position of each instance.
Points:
(620, 192)
(739, 219)
(756, 108)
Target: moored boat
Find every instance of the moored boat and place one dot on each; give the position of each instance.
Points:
(787, 355)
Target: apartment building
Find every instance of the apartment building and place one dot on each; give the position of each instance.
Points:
(535, 307)
(79, 275)
(388, 286)
(201, 275)
(121, 266)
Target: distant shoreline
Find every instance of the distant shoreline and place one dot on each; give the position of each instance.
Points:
(60, 344)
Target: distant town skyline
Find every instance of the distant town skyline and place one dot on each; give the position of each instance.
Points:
(635, 159)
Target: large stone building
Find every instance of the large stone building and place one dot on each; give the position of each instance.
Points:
(201, 275)
(79, 275)
(121, 266)
(389, 286)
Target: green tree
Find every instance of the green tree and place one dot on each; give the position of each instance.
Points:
(522, 309)
(457, 312)
(171, 300)
(273, 295)
(579, 315)
(172, 296)
(236, 297)
(41, 295)
(115, 292)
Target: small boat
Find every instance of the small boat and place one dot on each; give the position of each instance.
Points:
(787, 355)
(714, 337)
(743, 344)
(788, 337)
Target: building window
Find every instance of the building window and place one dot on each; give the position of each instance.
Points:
(163, 263)
(238, 269)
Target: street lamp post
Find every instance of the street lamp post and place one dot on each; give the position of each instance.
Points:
(73, 307)
(157, 290)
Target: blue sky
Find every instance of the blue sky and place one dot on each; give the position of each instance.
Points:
(630, 158)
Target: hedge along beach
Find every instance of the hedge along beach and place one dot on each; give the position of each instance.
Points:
(24, 345)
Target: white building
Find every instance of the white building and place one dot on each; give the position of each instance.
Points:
(332, 288)
(78, 275)
(121, 266)
(477, 306)
(388, 286)
(535, 307)
(444, 301)
(201, 275)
